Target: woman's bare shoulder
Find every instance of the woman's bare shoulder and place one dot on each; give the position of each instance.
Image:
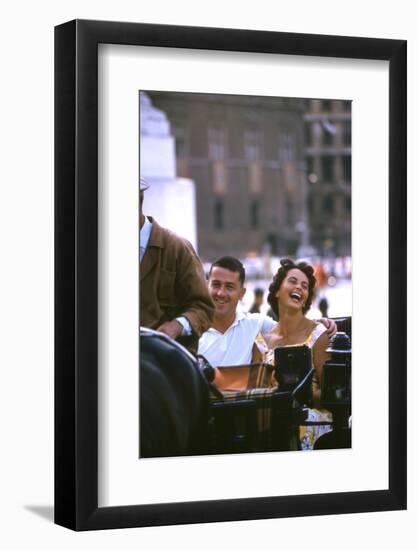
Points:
(312, 325)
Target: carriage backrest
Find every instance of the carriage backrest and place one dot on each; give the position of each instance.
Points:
(173, 398)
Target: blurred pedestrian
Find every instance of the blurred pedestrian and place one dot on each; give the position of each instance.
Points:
(324, 306)
(258, 300)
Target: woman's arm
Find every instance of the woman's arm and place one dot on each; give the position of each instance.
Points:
(320, 356)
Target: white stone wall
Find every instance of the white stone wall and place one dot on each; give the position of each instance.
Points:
(169, 199)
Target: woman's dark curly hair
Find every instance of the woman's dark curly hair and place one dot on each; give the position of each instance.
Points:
(286, 265)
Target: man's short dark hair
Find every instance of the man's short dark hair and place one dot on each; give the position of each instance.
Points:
(232, 264)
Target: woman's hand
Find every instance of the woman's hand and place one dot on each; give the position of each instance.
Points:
(330, 326)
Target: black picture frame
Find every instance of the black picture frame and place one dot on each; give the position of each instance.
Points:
(76, 272)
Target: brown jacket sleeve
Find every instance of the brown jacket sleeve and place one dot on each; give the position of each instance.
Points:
(172, 284)
(191, 288)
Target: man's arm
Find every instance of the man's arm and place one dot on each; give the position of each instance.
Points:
(173, 329)
(267, 325)
(179, 326)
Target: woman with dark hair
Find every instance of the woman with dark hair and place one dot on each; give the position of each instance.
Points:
(290, 296)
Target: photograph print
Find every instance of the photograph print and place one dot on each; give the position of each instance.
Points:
(245, 279)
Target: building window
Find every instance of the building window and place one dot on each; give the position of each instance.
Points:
(255, 177)
(328, 205)
(311, 175)
(286, 144)
(307, 135)
(219, 177)
(348, 204)
(290, 211)
(347, 134)
(252, 144)
(327, 165)
(254, 215)
(310, 205)
(326, 105)
(347, 169)
(347, 106)
(310, 165)
(216, 143)
(218, 215)
(327, 138)
(181, 146)
(329, 131)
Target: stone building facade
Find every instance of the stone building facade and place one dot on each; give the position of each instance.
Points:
(246, 156)
(329, 158)
(272, 175)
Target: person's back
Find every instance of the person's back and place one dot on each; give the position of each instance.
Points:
(173, 399)
(173, 292)
(258, 300)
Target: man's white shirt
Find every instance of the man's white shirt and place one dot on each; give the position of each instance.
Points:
(144, 236)
(234, 347)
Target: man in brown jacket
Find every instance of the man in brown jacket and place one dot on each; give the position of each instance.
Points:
(174, 298)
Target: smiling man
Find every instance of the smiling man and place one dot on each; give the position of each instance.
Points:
(230, 339)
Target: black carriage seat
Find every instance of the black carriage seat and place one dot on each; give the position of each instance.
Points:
(344, 324)
(258, 419)
(174, 401)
